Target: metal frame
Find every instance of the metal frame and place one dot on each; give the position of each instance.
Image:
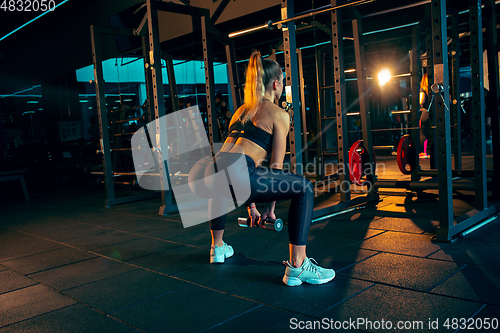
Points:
(149, 82)
(280, 47)
(208, 33)
(213, 126)
(340, 99)
(111, 199)
(478, 110)
(365, 113)
(456, 106)
(430, 74)
(442, 116)
(437, 64)
(325, 136)
(415, 96)
(302, 107)
(441, 112)
(337, 37)
(158, 105)
(149, 31)
(491, 46)
(233, 74)
(291, 68)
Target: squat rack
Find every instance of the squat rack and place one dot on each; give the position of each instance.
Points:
(442, 112)
(438, 75)
(287, 24)
(148, 30)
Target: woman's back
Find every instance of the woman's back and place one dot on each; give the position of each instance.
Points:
(268, 118)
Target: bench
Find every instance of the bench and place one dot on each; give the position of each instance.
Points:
(15, 175)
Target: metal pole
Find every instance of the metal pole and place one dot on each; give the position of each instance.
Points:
(443, 139)
(415, 93)
(149, 82)
(340, 102)
(300, 17)
(392, 10)
(320, 76)
(102, 115)
(456, 107)
(158, 106)
(420, 185)
(454, 173)
(302, 106)
(269, 24)
(213, 127)
(478, 115)
(494, 94)
(430, 75)
(477, 226)
(233, 75)
(174, 96)
(174, 100)
(366, 120)
(292, 83)
(328, 136)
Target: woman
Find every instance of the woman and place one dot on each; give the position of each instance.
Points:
(258, 129)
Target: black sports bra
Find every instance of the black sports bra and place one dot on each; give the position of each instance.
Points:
(253, 133)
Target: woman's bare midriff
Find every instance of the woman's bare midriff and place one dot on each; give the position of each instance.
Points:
(247, 147)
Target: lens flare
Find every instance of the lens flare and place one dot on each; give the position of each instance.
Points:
(384, 76)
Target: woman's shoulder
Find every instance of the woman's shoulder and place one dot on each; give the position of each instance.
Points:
(274, 110)
(272, 117)
(277, 113)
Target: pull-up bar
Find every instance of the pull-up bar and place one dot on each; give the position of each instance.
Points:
(270, 24)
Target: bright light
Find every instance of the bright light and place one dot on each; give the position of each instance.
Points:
(384, 76)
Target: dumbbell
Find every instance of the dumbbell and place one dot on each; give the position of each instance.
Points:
(269, 223)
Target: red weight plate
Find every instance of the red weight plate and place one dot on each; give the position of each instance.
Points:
(356, 162)
(406, 155)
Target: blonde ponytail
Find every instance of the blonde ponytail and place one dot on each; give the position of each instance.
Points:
(254, 87)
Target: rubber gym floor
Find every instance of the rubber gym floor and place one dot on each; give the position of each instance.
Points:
(67, 264)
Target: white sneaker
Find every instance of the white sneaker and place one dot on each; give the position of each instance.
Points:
(219, 253)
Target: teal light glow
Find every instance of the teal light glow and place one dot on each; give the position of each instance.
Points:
(128, 70)
(389, 29)
(14, 95)
(36, 18)
(18, 93)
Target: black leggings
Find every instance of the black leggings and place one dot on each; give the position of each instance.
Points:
(248, 184)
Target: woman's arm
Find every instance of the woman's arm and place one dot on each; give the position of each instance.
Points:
(280, 131)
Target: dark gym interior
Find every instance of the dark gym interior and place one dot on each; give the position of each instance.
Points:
(414, 236)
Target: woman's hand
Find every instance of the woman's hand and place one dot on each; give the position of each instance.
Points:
(267, 214)
(254, 216)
